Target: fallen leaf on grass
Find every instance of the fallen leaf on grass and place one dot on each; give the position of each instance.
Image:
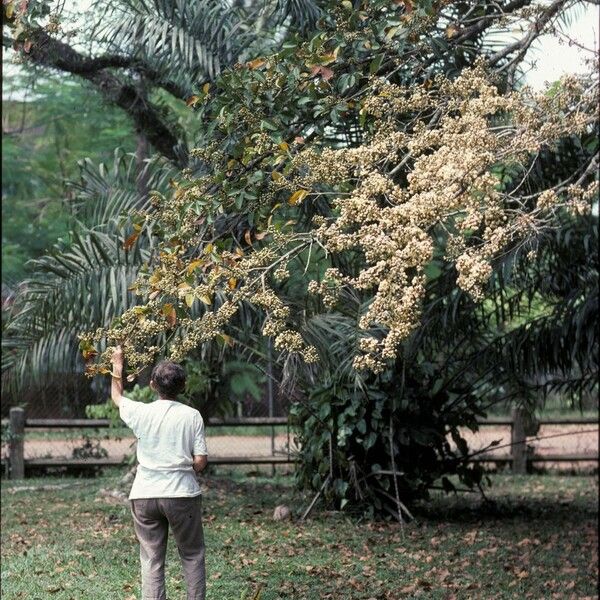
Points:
(469, 538)
(528, 542)
(356, 584)
(368, 571)
(569, 570)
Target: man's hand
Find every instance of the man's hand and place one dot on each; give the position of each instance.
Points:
(200, 462)
(117, 358)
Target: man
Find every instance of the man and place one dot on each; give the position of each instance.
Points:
(171, 449)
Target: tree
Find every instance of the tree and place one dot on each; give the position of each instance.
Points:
(134, 58)
(137, 50)
(364, 188)
(413, 201)
(46, 133)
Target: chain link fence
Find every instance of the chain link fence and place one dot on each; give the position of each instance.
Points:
(67, 443)
(63, 397)
(245, 437)
(223, 442)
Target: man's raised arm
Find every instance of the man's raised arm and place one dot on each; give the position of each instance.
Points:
(116, 387)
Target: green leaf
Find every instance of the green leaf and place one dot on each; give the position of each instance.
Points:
(324, 411)
(375, 64)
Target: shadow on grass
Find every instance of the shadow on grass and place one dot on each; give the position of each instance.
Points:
(540, 510)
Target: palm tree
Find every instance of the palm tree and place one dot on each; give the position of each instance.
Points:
(82, 284)
(161, 45)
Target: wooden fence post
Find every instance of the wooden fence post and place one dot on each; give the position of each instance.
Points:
(17, 443)
(518, 439)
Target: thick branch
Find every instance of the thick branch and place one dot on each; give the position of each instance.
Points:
(49, 52)
(482, 24)
(486, 21)
(523, 44)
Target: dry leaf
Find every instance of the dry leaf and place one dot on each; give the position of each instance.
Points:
(256, 63)
(130, 241)
(452, 31)
(325, 72)
(194, 265)
(170, 314)
(297, 197)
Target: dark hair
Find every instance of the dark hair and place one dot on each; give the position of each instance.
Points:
(168, 378)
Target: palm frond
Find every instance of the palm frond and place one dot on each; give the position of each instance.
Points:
(85, 284)
(196, 38)
(302, 14)
(106, 192)
(70, 292)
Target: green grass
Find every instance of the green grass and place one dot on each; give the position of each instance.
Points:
(538, 540)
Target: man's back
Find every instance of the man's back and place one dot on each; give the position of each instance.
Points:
(169, 434)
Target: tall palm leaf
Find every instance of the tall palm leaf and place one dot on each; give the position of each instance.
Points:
(84, 285)
(190, 42)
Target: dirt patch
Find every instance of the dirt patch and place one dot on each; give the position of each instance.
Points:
(221, 446)
(551, 440)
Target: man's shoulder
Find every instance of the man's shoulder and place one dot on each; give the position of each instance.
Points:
(128, 403)
(188, 410)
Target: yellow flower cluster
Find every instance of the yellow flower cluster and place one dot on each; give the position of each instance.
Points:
(428, 171)
(440, 175)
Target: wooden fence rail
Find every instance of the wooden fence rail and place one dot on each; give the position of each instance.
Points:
(518, 457)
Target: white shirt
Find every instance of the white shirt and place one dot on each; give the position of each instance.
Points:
(168, 435)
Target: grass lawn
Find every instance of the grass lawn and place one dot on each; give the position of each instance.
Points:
(539, 541)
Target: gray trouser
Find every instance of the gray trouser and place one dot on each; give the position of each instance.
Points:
(151, 519)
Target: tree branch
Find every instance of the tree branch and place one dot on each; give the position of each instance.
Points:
(486, 21)
(472, 32)
(522, 45)
(49, 52)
